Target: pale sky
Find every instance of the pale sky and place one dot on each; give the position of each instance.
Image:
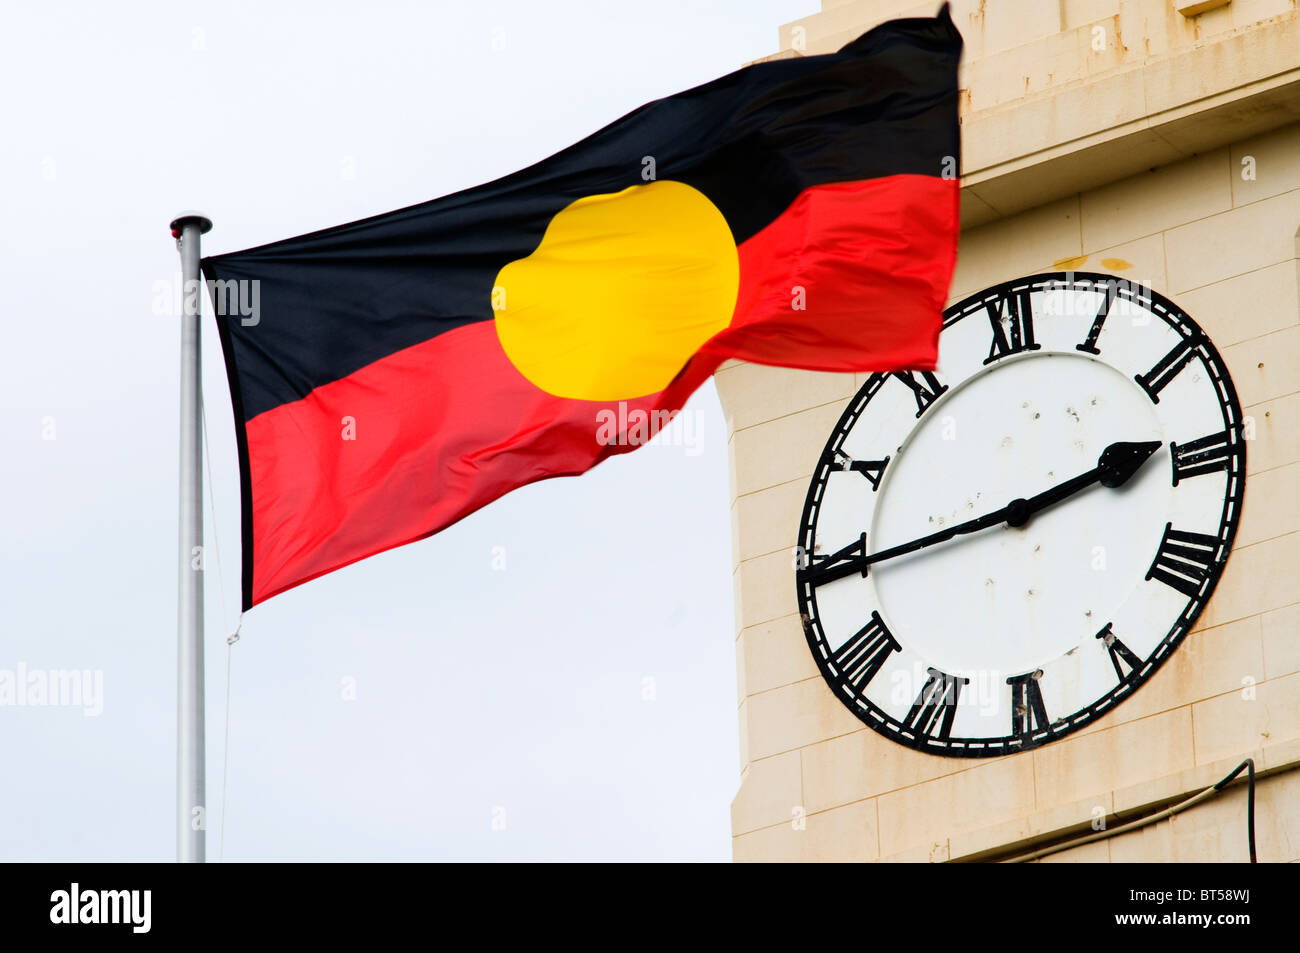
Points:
(482, 694)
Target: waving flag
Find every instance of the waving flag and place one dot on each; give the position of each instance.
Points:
(393, 375)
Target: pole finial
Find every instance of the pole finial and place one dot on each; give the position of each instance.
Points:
(190, 217)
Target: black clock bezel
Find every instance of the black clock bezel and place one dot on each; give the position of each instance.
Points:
(1230, 407)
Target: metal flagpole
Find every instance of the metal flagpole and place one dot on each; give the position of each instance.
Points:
(191, 806)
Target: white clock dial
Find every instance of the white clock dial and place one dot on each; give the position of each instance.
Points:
(994, 554)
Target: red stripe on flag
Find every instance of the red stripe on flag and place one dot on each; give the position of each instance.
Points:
(442, 429)
(874, 259)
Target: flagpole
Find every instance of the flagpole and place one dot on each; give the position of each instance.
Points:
(191, 803)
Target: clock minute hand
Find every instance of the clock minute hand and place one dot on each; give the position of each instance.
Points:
(1116, 464)
(844, 565)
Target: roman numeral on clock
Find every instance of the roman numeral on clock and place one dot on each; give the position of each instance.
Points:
(873, 470)
(926, 391)
(862, 656)
(841, 563)
(936, 705)
(1184, 560)
(1028, 713)
(1203, 455)
(1121, 655)
(1167, 368)
(1107, 299)
(1019, 335)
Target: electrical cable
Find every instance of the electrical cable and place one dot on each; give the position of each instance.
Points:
(1248, 765)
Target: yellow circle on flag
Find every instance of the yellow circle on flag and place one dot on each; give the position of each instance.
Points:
(623, 289)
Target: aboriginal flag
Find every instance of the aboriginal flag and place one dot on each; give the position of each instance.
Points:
(393, 375)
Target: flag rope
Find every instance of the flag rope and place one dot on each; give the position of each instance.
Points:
(225, 751)
(225, 625)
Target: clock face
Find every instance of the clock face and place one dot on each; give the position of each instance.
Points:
(977, 572)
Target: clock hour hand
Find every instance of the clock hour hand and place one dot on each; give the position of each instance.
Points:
(1115, 466)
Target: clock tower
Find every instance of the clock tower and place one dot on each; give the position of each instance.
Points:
(1028, 606)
